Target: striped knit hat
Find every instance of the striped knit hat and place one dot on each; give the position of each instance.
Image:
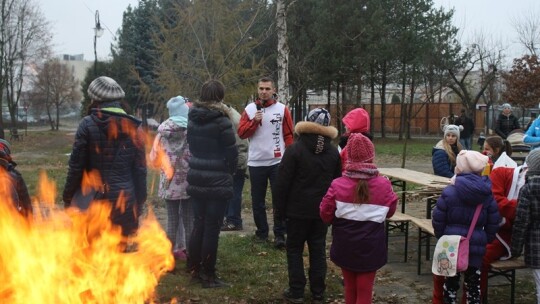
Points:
(533, 162)
(105, 88)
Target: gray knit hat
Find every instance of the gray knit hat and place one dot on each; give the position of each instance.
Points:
(452, 129)
(105, 88)
(533, 162)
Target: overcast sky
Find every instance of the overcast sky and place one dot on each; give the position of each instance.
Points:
(73, 21)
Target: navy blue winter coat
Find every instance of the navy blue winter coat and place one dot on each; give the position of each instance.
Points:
(441, 162)
(455, 208)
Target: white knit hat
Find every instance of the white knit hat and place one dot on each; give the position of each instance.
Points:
(469, 161)
(105, 88)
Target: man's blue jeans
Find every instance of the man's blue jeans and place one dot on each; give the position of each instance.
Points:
(259, 177)
(234, 205)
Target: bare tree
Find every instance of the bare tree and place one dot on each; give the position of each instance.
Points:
(25, 37)
(282, 51)
(527, 27)
(55, 87)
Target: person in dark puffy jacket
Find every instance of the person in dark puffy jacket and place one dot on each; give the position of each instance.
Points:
(13, 181)
(506, 122)
(213, 162)
(443, 155)
(306, 170)
(110, 143)
(453, 215)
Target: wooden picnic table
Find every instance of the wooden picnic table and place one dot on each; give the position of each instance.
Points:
(401, 176)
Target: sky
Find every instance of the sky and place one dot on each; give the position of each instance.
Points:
(72, 22)
(493, 19)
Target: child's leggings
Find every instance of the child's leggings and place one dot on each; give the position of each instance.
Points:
(472, 287)
(358, 286)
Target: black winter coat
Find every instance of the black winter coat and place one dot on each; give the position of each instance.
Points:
(16, 187)
(214, 155)
(506, 124)
(307, 169)
(112, 143)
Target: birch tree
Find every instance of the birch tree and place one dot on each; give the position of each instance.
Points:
(282, 52)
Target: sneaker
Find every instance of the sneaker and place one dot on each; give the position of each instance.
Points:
(230, 227)
(289, 297)
(279, 242)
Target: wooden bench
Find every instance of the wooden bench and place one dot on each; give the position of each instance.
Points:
(399, 221)
(506, 269)
(425, 233)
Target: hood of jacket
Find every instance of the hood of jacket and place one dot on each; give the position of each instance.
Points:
(316, 137)
(202, 112)
(170, 130)
(472, 188)
(111, 118)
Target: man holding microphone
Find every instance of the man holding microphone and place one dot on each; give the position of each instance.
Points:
(268, 125)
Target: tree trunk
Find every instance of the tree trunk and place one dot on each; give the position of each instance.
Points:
(282, 52)
(383, 99)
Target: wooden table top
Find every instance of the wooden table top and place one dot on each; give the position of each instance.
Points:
(416, 177)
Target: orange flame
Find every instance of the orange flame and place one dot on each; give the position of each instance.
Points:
(76, 257)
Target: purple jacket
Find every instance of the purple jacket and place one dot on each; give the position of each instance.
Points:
(454, 212)
(359, 241)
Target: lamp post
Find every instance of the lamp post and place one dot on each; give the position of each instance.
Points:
(98, 32)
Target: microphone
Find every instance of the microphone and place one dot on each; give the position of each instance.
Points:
(258, 109)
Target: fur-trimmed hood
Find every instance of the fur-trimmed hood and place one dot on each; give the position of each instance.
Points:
(314, 136)
(215, 106)
(303, 127)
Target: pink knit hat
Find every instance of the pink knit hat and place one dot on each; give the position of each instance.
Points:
(469, 161)
(357, 121)
(360, 155)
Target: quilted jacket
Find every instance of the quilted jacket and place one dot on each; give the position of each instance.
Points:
(111, 142)
(455, 209)
(214, 155)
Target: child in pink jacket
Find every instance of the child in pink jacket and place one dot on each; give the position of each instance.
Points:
(357, 205)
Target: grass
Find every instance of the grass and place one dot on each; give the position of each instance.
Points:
(257, 272)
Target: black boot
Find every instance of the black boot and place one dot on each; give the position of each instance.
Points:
(212, 281)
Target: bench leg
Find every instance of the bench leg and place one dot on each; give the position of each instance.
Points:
(419, 252)
(406, 241)
(512, 286)
(402, 226)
